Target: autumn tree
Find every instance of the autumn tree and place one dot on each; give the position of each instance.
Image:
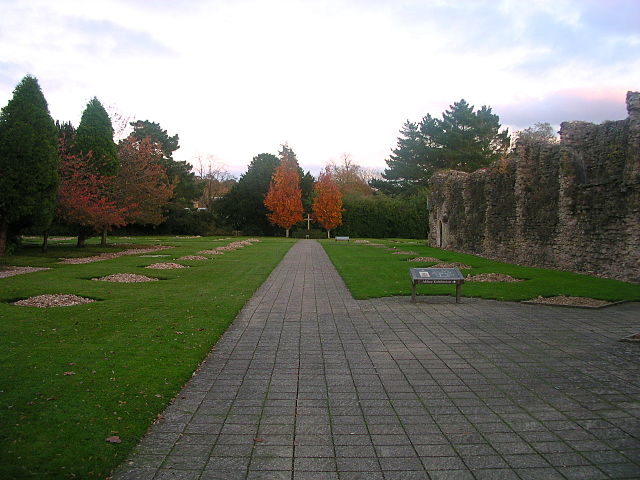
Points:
(350, 178)
(327, 203)
(540, 133)
(284, 198)
(86, 199)
(216, 181)
(141, 186)
(186, 187)
(28, 161)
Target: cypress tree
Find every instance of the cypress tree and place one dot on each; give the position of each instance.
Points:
(28, 161)
(94, 139)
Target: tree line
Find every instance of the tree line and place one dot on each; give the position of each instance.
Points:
(80, 181)
(52, 172)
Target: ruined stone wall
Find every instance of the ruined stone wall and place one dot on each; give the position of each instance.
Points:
(574, 205)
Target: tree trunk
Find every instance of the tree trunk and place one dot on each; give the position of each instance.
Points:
(103, 239)
(328, 233)
(45, 242)
(82, 238)
(4, 228)
(287, 233)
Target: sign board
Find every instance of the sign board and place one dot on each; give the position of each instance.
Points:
(447, 276)
(436, 275)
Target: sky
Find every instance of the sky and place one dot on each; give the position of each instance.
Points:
(236, 78)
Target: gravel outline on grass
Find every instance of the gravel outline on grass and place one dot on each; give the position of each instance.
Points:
(108, 256)
(125, 278)
(12, 271)
(569, 301)
(492, 277)
(165, 266)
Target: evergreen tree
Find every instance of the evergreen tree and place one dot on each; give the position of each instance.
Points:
(243, 206)
(470, 140)
(463, 139)
(94, 139)
(28, 161)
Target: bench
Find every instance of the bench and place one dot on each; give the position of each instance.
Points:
(342, 239)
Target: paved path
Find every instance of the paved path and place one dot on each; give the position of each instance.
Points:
(311, 384)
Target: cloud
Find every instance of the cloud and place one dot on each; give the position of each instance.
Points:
(235, 78)
(591, 105)
(107, 38)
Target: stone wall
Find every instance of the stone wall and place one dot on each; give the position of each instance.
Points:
(574, 205)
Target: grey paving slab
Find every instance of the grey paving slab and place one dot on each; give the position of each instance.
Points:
(309, 383)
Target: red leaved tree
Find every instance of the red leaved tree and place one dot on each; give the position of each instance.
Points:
(284, 198)
(142, 187)
(86, 198)
(327, 203)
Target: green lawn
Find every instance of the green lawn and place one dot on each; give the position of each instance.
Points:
(371, 272)
(130, 351)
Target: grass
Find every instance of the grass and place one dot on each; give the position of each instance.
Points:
(130, 352)
(371, 272)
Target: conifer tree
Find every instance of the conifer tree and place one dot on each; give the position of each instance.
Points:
(243, 206)
(94, 139)
(463, 139)
(28, 161)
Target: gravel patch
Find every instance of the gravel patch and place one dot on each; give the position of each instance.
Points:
(230, 247)
(108, 256)
(404, 252)
(361, 241)
(11, 271)
(193, 257)
(459, 265)
(53, 300)
(423, 259)
(570, 301)
(165, 266)
(492, 277)
(125, 278)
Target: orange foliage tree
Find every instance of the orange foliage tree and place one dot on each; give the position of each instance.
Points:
(142, 184)
(327, 203)
(284, 198)
(86, 199)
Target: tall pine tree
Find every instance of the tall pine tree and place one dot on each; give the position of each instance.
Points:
(28, 161)
(94, 145)
(94, 139)
(463, 139)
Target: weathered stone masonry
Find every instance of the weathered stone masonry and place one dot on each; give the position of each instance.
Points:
(574, 205)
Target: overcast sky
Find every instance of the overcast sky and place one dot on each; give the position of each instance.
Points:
(235, 78)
